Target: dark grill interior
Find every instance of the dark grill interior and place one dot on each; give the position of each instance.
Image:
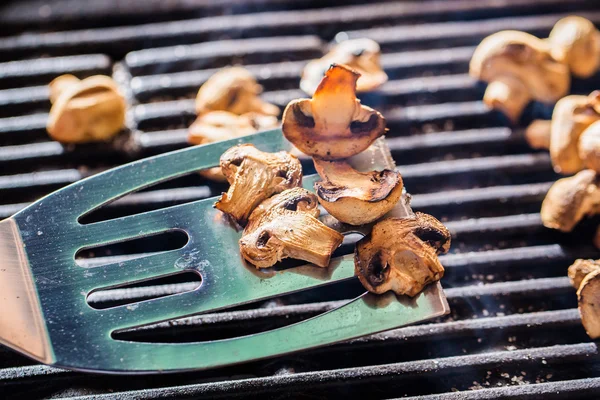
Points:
(514, 331)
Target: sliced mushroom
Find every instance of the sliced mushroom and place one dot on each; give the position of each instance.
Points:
(570, 199)
(588, 297)
(519, 68)
(402, 254)
(579, 269)
(362, 55)
(333, 124)
(254, 176)
(287, 225)
(572, 115)
(216, 126)
(575, 41)
(235, 90)
(89, 110)
(355, 197)
(589, 147)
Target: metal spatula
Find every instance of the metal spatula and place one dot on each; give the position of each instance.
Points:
(43, 290)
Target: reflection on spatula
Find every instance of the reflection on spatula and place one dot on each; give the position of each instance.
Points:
(44, 310)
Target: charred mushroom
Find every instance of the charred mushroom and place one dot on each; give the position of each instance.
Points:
(254, 176)
(588, 297)
(362, 55)
(579, 269)
(333, 124)
(575, 41)
(402, 254)
(216, 126)
(355, 197)
(235, 90)
(85, 111)
(589, 147)
(519, 68)
(570, 199)
(287, 225)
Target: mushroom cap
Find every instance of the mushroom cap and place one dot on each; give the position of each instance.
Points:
(570, 199)
(287, 225)
(232, 89)
(579, 269)
(254, 176)
(588, 298)
(333, 124)
(575, 41)
(525, 58)
(407, 263)
(59, 84)
(589, 147)
(571, 116)
(362, 55)
(355, 197)
(89, 110)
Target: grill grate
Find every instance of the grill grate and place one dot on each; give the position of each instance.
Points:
(514, 331)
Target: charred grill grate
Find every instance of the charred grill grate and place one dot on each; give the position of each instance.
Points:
(514, 331)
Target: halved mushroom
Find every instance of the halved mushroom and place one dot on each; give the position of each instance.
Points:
(235, 90)
(580, 268)
(287, 225)
(570, 199)
(575, 41)
(519, 68)
(362, 55)
(254, 176)
(333, 124)
(588, 297)
(401, 254)
(355, 197)
(216, 126)
(89, 110)
(589, 147)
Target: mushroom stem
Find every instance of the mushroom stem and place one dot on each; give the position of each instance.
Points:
(509, 95)
(538, 134)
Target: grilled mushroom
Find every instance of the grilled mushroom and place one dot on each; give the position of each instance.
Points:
(287, 225)
(575, 41)
(85, 111)
(570, 199)
(235, 90)
(402, 254)
(580, 268)
(362, 55)
(588, 298)
(216, 126)
(355, 197)
(538, 134)
(333, 124)
(519, 68)
(589, 147)
(254, 176)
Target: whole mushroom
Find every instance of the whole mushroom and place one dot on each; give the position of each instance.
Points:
(575, 41)
(287, 225)
(333, 124)
(85, 110)
(401, 254)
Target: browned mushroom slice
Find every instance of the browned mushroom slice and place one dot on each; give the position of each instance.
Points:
(85, 111)
(570, 199)
(235, 90)
(588, 297)
(589, 147)
(286, 225)
(575, 41)
(355, 197)
(401, 255)
(254, 176)
(519, 68)
(362, 55)
(333, 124)
(579, 269)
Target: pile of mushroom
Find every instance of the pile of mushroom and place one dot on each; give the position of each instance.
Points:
(520, 67)
(87, 110)
(585, 278)
(228, 106)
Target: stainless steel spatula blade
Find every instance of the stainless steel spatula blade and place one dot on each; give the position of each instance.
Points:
(43, 290)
